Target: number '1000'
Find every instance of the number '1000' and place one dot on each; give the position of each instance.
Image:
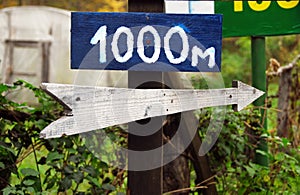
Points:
(101, 34)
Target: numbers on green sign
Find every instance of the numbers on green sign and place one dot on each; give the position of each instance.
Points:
(263, 5)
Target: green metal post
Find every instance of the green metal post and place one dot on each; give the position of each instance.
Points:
(259, 81)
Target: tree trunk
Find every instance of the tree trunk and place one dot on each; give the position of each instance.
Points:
(176, 174)
(283, 103)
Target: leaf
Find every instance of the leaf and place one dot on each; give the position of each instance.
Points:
(279, 156)
(277, 182)
(94, 181)
(54, 156)
(285, 142)
(2, 166)
(5, 147)
(29, 172)
(20, 192)
(90, 170)
(266, 178)
(103, 165)
(3, 88)
(29, 182)
(242, 190)
(31, 189)
(81, 149)
(66, 183)
(78, 177)
(50, 183)
(107, 186)
(10, 126)
(227, 149)
(72, 151)
(40, 124)
(69, 169)
(262, 152)
(9, 190)
(68, 143)
(250, 170)
(75, 158)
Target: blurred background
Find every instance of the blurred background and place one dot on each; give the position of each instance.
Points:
(35, 47)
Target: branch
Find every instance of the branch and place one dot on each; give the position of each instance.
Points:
(284, 68)
(14, 115)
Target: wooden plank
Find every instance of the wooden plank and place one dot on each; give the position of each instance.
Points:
(192, 7)
(100, 107)
(23, 43)
(120, 41)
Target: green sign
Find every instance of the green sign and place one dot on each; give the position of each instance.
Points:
(254, 18)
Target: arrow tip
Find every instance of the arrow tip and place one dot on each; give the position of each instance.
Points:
(246, 95)
(65, 125)
(57, 92)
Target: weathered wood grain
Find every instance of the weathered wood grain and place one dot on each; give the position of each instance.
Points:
(99, 107)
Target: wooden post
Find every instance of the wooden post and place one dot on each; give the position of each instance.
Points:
(46, 61)
(283, 103)
(144, 182)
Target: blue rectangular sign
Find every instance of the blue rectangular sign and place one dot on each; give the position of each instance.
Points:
(146, 42)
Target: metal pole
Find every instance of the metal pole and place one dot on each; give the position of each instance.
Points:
(259, 81)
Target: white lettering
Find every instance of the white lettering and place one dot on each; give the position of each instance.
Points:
(185, 45)
(196, 51)
(115, 48)
(140, 44)
(100, 36)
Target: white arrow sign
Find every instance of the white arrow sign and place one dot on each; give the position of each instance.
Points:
(91, 108)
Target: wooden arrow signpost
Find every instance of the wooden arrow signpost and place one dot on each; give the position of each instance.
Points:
(141, 43)
(91, 108)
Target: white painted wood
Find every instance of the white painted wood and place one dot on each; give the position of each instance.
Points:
(99, 107)
(202, 7)
(193, 7)
(178, 7)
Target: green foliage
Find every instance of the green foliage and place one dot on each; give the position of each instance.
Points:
(20, 125)
(283, 48)
(66, 164)
(232, 157)
(236, 60)
(236, 55)
(72, 165)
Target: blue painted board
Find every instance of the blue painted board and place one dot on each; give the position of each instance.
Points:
(146, 41)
